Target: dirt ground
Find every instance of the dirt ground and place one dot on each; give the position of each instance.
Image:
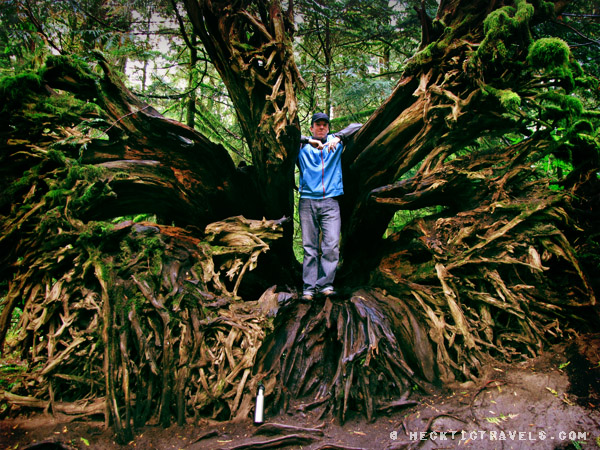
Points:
(551, 402)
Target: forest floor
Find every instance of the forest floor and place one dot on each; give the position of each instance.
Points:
(550, 402)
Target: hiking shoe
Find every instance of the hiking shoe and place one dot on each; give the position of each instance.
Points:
(307, 297)
(328, 292)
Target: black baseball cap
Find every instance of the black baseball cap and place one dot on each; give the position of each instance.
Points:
(319, 116)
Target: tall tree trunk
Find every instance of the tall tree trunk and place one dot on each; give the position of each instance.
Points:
(328, 67)
(250, 46)
(192, 81)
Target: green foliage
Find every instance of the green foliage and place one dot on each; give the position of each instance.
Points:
(351, 53)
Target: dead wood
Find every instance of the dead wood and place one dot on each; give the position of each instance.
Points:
(291, 440)
(79, 407)
(279, 428)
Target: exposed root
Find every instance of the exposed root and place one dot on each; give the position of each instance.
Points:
(140, 334)
(361, 353)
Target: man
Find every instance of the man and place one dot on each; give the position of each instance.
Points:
(320, 166)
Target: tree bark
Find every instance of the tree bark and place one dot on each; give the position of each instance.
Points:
(250, 46)
(159, 165)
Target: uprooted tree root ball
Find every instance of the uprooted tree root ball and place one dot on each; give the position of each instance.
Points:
(150, 333)
(129, 241)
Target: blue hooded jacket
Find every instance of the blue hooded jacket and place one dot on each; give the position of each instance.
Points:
(320, 171)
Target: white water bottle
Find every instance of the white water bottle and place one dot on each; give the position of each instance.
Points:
(259, 409)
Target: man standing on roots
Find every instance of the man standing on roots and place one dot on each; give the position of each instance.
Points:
(320, 163)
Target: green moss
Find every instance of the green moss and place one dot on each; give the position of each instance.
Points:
(79, 172)
(106, 268)
(137, 301)
(552, 56)
(524, 13)
(422, 57)
(510, 100)
(560, 105)
(89, 193)
(548, 53)
(76, 67)
(582, 126)
(27, 106)
(55, 196)
(500, 28)
(572, 104)
(546, 9)
(584, 135)
(498, 21)
(435, 49)
(16, 88)
(57, 156)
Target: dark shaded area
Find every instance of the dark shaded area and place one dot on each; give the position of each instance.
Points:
(583, 357)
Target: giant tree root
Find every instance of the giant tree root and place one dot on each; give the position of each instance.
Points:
(357, 352)
(147, 323)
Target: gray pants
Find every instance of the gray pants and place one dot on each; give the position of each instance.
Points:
(318, 268)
